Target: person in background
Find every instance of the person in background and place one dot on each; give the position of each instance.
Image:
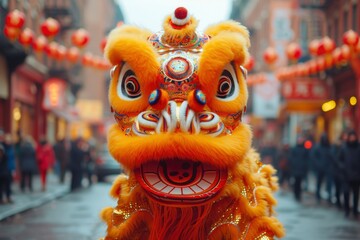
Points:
(4, 175)
(323, 159)
(89, 153)
(46, 159)
(10, 154)
(350, 159)
(299, 164)
(284, 165)
(61, 155)
(77, 157)
(338, 171)
(27, 162)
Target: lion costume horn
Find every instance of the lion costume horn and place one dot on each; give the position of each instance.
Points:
(178, 97)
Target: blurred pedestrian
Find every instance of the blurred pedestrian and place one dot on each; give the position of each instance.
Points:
(323, 160)
(27, 162)
(4, 176)
(299, 164)
(284, 165)
(10, 154)
(350, 158)
(89, 152)
(62, 155)
(338, 170)
(46, 159)
(76, 163)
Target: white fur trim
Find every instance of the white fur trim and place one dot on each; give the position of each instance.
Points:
(179, 22)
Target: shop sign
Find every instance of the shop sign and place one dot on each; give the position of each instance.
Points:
(266, 97)
(305, 89)
(54, 94)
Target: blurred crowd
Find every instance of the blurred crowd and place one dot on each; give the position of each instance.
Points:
(335, 167)
(20, 161)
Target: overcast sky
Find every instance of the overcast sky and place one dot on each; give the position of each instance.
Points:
(151, 13)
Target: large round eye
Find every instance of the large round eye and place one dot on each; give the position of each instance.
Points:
(128, 87)
(228, 86)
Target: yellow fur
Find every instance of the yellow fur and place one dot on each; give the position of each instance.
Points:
(224, 152)
(175, 34)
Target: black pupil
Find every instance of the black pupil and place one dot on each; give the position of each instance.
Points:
(224, 87)
(130, 87)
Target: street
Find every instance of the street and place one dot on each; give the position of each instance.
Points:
(75, 216)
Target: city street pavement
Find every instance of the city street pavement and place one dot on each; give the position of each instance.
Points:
(28, 200)
(314, 221)
(73, 216)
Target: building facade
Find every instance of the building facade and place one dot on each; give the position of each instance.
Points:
(277, 23)
(27, 77)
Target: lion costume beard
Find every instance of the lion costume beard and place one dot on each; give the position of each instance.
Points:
(178, 98)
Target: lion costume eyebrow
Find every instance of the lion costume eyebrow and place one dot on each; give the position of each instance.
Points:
(229, 43)
(129, 44)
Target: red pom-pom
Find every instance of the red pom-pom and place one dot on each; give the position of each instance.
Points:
(181, 13)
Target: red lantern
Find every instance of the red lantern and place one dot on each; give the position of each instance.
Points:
(320, 64)
(345, 52)
(350, 38)
(103, 44)
(15, 19)
(313, 68)
(249, 64)
(326, 46)
(50, 27)
(52, 49)
(313, 47)
(73, 54)
(80, 38)
(39, 44)
(61, 53)
(293, 51)
(87, 59)
(270, 55)
(357, 47)
(26, 37)
(11, 33)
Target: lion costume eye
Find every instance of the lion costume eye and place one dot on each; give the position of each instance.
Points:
(228, 86)
(128, 87)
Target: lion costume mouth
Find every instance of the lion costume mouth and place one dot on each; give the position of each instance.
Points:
(179, 181)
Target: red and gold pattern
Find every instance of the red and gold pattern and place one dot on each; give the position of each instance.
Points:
(178, 97)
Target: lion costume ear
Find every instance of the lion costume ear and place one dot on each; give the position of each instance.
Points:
(127, 47)
(228, 45)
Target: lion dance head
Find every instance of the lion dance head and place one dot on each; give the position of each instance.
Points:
(178, 97)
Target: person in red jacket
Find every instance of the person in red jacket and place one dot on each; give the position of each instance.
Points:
(45, 159)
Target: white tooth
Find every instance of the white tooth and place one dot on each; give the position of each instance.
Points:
(152, 178)
(196, 189)
(187, 191)
(176, 191)
(203, 184)
(159, 186)
(168, 189)
(210, 176)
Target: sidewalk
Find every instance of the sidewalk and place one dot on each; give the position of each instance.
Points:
(27, 200)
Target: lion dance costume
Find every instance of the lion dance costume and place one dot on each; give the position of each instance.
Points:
(178, 97)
